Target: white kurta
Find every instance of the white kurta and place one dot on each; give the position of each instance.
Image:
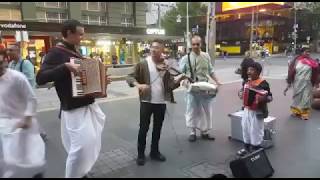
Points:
(252, 128)
(17, 100)
(81, 131)
(199, 112)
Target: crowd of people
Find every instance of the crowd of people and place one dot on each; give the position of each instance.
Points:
(82, 120)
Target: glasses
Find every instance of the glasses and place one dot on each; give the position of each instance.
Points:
(196, 44)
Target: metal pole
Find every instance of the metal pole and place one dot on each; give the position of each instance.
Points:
(212, 43)
(159, 19)
(251, 34)
(294, 28)
(187, 30)
(208, 22)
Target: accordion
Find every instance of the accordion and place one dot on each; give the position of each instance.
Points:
(252, 97)
(203, 88)
(91, 81)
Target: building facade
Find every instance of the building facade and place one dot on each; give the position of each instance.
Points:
(113, 29)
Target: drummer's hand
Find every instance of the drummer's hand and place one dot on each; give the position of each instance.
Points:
(218, 83)
(25, 124)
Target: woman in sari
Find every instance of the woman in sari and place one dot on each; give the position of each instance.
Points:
(302, 76)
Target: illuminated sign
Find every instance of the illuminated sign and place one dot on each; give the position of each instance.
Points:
(227, 6)
(13, 26)
(156, 31)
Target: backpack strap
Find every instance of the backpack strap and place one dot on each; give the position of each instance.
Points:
(191, 70)
(21, 66)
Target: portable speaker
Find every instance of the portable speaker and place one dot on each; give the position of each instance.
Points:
(253, 165)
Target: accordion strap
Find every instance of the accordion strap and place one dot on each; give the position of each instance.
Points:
(69, 51)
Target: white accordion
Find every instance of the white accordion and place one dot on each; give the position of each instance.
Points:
(203, 88)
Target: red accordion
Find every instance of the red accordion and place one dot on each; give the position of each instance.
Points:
(252, 97)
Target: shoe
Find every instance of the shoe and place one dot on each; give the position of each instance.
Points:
(207, 137)
(141, 161)
(157, 157)
(40, 175)
(85, 177)
(192, 138)
(242, 152)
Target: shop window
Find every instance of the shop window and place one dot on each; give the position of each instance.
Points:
(10, 14)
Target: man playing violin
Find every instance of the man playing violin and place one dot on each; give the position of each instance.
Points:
(155, 85)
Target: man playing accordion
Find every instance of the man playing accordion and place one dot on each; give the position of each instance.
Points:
(256, 95)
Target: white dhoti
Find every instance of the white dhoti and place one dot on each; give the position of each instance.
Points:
(252, 128)
(81, 131)
(199, 112)
(22, 152)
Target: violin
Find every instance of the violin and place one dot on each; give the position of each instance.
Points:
(173, 71)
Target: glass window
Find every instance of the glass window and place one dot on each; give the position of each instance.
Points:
(56, 17)
(10, 14)
(94, 19)
(84, 5)
(84, 19)
(52, 15)
(41, 16)
(51, 4)
(63, 16)
(94, 6)
(40, 4)
(103, 20)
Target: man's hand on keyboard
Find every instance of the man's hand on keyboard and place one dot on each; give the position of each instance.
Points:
(73, 67)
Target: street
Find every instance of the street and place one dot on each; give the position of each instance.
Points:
(295, 153)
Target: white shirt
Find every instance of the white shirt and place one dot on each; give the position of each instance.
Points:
(156, 83)
(17, 98)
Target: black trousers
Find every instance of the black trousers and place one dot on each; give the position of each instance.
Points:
(146, 110)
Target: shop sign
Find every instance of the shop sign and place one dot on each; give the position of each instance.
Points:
(13, 26)
(156, 31)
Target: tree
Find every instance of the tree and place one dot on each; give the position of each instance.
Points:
(169, 21)
(308, 15)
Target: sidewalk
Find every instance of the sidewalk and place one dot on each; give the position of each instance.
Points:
(295, 154)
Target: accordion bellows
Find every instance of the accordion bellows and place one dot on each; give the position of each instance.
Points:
(251, 97)
(92, 80)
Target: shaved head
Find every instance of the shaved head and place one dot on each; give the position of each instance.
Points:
(196, 44)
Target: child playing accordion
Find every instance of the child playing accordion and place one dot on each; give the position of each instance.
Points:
(256, 94)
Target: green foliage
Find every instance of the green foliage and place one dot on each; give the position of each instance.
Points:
(169, 21)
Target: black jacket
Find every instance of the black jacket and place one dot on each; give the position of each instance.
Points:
(54, 70)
